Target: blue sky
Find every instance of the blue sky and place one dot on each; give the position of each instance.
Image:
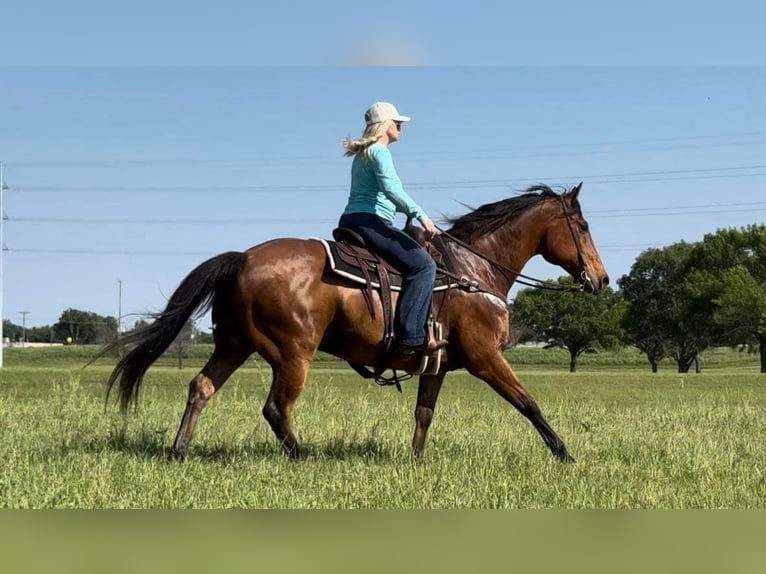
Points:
(137, 174)
(486, 32)
(135, 147)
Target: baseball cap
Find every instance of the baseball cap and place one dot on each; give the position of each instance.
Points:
(382, 111)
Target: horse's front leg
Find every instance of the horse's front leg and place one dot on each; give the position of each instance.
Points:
(428, 391)
(495, 370)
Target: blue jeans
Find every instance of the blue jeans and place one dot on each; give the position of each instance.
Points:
(416, 265)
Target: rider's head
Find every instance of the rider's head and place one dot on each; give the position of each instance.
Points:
(382, 121)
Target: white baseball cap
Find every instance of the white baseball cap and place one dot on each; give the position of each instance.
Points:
(382, 111)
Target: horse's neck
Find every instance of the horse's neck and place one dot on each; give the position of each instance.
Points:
(511, 246)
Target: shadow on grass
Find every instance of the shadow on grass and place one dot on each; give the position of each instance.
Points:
(336, 449)
(153, 445)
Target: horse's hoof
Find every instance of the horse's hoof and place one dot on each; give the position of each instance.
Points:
(178, 455)
(294, 454)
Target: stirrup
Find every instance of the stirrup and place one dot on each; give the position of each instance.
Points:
(402, 349)
(435, 345)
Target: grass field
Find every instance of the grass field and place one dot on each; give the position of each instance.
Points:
(640, 440)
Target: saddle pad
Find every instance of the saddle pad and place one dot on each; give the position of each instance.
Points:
(352, 272)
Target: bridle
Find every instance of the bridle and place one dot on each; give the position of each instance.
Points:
(527, 279)
(580, 258)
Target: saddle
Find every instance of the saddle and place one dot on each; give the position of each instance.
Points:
(349, 257)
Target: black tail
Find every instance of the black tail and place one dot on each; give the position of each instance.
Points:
(195, 293)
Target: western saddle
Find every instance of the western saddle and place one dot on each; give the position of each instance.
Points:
(349, 257)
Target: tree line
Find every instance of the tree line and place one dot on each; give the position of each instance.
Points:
(85, 328)
(675, 302)
(74, 325)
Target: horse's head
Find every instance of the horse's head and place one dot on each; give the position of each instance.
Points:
(568, 244)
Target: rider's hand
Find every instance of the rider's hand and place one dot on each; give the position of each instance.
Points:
(430, 228)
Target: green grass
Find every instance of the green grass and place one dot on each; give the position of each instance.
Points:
(640, 440)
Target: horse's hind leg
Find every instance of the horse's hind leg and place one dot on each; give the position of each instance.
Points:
(289, 379)
(428, 391)
(218, 369)
(496, 371)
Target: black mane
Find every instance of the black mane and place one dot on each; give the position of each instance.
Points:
(492, 216)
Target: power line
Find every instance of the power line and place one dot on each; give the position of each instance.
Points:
(628, 177)
(128, 221)
(604, 247)
(415, 156)
(683, 178)
(676, 213)
(110, 252)
(680, 207)
(580, 152)
(615, 213)
(581, 144)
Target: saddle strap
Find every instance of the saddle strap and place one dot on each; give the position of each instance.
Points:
(388, 323)
(388, 336)
(388, 308)
(368, 288)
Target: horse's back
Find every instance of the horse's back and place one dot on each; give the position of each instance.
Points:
(283, 246)
(290, 262)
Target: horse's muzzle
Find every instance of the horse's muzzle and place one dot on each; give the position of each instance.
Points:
(593, 285)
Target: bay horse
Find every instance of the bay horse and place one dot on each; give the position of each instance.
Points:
(280, 300)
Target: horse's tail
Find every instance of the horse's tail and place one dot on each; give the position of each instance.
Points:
(194, 294)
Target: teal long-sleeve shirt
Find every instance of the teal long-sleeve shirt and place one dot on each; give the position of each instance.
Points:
(376, 187)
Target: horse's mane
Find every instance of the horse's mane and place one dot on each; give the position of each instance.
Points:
(492, 216)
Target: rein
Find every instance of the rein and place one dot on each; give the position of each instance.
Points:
(527, 279)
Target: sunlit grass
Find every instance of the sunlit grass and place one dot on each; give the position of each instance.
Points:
(640, 440)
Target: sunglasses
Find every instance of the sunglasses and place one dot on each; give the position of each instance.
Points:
(398, 125)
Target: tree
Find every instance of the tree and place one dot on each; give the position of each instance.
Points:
(666, 314)
(734, 263)
(647, 291)
(578, 322)
(12, 331)
(180, 346)
(694, 329)
(204, 337)
(518, 331)
(42, 334)
(85, 327)
(33, 334)
(741, 312)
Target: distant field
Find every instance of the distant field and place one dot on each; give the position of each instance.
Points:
(530, 357)
(640, 440)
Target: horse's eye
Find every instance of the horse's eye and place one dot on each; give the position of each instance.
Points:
(584, 226)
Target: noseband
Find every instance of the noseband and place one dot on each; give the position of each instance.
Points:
(580, 258)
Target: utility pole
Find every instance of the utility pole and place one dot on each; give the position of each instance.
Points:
(24, 327)
(119, 307)
(2, 247)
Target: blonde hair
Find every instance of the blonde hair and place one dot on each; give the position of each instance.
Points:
(371, 135)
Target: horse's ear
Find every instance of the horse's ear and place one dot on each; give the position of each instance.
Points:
(575, 191)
